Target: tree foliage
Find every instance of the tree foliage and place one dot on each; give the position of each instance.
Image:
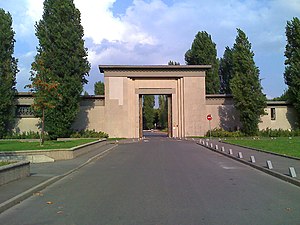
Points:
(163, 111)
(204, 52)
(292, 62)
(99, 88)
(61, 49)
(245, 85)
(8, 71)
(148, 111)
(173, 63)
(45, 96)
(226, 64)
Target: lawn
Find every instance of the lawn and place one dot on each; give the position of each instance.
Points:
(281, 145)
(48, 145)
(5, 163)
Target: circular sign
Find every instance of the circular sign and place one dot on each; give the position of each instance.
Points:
(209, 117)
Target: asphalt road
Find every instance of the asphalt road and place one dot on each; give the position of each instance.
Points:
(162, 182)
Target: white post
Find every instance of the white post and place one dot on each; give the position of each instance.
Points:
(240, 155)
(292, 172)
(252, 158)
(269, 165)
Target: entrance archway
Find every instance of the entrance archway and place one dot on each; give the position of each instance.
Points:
(185, 86)
(169, 119)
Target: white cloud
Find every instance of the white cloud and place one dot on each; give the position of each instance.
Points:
(100, 24)
(152, 32)
(35, 9)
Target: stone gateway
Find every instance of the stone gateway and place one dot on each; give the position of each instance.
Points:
(119, 111)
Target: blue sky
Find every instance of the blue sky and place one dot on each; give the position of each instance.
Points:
(149, 32)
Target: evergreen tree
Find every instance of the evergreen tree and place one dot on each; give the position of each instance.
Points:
(292, 62)
(173, 63)
(226, 64)
(99, 88)
(148, 111)
(8, 71)
(61, 49)
(163, 111)
(245, 85)
(204, 52)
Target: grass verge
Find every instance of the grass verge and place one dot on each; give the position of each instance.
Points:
(281, 145)
(48, 145)
(5, 163)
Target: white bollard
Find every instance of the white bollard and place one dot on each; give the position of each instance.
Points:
(217, 147)
(269, 165)
(223, 149)
(211, 145)
(240, 155)
(207, 144)
(230, 152)
(292, 172)
(252, 158)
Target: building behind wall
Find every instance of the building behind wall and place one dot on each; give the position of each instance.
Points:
(118, 112)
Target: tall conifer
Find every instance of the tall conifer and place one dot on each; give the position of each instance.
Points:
(245, 85)
(204, 52)
(292, 62)
(148, 111)
(225, 71)
(64, 60)
(8, 71)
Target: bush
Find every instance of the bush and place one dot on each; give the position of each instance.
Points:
(24, 135)
(279, 133)
(88, 134)
(218, 132)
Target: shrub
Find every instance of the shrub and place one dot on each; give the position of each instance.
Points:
(24, 135)
(279, 133)
(218, 132)
(88, 134)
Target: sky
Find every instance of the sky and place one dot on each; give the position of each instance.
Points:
(152, 32)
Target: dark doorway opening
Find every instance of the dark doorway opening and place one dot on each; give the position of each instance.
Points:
(155, 116)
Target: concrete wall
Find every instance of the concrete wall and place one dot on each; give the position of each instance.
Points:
(14, 171)
(223, 112)
(285, 117)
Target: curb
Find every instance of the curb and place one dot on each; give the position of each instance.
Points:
(265, 170)
(26, 194)
(260, 150)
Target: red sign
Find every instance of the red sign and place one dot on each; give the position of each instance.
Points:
(209, 117)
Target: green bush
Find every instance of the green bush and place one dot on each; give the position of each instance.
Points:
(89, 134)
(24, 135)
(279, 133)
(218, 132)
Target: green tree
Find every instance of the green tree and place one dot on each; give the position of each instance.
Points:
(173, 63)
(245, 85)
(8, 71)
(204, 52)
(226, 64)
(292, 62)
(284, 97)
(148, 111)
(163, 111)
(45, 97)
(99, 88)
(61, 49)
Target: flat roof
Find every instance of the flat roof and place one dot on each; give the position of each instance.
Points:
(102, 68)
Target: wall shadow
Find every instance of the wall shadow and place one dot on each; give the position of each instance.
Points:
(292, 117)
(82, 120)
(229, 119)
